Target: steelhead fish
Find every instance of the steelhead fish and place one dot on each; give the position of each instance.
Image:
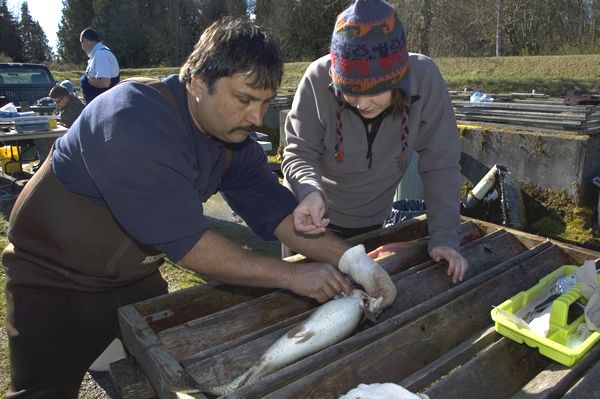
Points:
(396, 256)
(330, 323)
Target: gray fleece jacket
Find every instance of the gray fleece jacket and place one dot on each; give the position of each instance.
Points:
(359, 196)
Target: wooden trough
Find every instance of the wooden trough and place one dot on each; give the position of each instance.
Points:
(437, 338)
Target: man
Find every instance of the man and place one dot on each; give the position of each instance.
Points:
(125, 185)
(69, 106)
(102, 71)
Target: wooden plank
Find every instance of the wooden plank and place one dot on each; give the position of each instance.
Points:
(496, 373)
(414, 289)
(556, 379)
(577, 255)
(164, 373)
(130, 381)
(525, 105)
(417, 254)
(203, 336)
(231, 323)
(392, 350)
(178, 307)
(429, 374)
(587, 386)
(419, 287)
(226, 363)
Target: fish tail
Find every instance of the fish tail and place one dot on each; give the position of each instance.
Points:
(248, 377)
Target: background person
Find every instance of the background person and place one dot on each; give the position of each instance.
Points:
(357, 116)
(125, 185)
(102, 71)
(69, 107)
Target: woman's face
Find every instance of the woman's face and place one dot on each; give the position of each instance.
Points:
(371, 105)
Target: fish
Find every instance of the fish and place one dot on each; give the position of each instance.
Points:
(332, 322)
(394, 257)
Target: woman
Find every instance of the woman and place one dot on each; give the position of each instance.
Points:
(358, 115)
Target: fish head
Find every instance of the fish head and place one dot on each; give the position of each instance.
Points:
(370, 306)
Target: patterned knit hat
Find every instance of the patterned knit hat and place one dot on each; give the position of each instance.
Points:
(368, 50)
(369, 56)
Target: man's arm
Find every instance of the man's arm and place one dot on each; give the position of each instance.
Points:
(101, 83)
(352, 261)
(216, 257)
(325, 247)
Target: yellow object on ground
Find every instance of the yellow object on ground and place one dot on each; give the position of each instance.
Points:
(9, 159)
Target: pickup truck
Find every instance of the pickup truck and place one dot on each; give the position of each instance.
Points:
(25, 82)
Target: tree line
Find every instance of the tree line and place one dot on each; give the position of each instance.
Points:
(22, 39)
(151, 33)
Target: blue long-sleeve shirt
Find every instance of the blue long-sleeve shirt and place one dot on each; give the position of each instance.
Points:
(146, 161)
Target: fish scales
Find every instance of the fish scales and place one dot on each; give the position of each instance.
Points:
(330, 323)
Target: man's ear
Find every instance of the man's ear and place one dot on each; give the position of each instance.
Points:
(198, 87)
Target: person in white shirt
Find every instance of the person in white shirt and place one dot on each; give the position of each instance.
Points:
(102, 71)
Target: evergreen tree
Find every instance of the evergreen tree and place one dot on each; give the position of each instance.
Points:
(312, 24)
(76, 16)
(10, 42)
(276, 16)
(35, 42)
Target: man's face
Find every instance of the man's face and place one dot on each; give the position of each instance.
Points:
(61, 101)
(86, 45)
(232, 111)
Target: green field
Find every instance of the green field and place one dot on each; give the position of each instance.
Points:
(552, 75)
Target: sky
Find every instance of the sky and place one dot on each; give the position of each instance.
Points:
(46, 12)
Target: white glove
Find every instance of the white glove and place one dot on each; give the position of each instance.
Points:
(365, 271)
(379, 391)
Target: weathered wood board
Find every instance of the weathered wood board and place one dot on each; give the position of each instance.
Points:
(436, 338)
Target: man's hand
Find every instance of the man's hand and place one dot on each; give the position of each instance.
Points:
(366, 272)
(457, 265)
(319, 281)
(308, 215)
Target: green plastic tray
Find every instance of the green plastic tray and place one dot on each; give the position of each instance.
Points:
(554, 345)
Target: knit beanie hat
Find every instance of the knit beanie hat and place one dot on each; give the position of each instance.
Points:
(368, 49)
(369, 56)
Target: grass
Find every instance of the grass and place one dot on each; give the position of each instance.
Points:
(553, 75)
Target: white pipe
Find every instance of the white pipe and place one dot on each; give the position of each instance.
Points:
(480, 190)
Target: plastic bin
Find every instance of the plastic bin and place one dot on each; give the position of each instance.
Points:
(31, 123)
(554, 345)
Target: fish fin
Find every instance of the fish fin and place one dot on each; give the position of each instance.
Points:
(297, 330)
(300, 333)
(305, 336)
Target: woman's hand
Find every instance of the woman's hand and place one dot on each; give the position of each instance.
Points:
(457, 265)
(308, 215)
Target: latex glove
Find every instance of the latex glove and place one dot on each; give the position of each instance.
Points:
(308, 215)
(457, 265)
(379, 391)
(365, 271)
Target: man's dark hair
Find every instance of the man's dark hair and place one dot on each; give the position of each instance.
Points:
(231, 46)
(90, 34)
(58, 92)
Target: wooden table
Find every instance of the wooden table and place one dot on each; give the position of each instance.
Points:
(437, 338)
